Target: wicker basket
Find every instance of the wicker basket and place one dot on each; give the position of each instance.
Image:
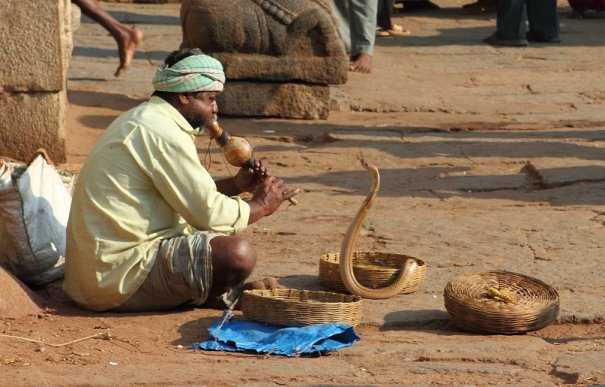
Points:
(300, 307)
(524, 303)
(372, 270)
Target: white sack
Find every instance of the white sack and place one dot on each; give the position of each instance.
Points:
(33, 220)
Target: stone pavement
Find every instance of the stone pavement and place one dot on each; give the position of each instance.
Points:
(453, 122)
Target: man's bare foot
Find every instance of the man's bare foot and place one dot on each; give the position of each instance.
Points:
(362, 64)
(127, 46)
(269, 283)
(222, 301)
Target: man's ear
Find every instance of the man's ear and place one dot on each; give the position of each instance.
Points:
(183, 99)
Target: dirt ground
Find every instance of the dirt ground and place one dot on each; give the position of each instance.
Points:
(451, 123)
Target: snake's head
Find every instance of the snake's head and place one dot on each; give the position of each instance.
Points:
(363, 161)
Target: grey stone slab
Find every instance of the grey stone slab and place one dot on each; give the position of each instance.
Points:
(30, 121)
(36, 50)
(584, 367)
(275, 99)
(308, 69)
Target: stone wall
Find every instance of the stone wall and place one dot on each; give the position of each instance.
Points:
(36, 47)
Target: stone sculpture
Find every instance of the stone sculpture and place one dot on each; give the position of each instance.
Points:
(279, 55)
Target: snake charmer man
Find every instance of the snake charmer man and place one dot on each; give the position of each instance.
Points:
(149, 229)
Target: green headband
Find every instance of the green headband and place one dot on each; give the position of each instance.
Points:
(194, 73)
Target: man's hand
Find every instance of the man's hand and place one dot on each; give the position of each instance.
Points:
(247, 179)
(268, 196)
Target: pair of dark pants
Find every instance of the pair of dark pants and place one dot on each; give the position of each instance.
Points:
(541, 15)
(385, 11)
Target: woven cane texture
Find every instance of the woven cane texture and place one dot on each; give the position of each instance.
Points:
(524, 304)
(294, 307)
(372, 270)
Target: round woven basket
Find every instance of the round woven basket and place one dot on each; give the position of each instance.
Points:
(372, 270)
(300, 307)
(500, 302)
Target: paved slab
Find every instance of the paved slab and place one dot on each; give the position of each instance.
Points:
(490, 158)
(451, 123)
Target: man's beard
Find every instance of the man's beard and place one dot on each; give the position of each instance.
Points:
(196, 122)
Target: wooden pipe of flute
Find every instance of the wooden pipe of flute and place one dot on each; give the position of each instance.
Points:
(236, 150)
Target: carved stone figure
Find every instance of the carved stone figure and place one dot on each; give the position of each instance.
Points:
(290, 41)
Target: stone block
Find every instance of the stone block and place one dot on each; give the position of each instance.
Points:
(284, 100)
(35, 49)
(310, 69)
(271, 27)
(29, 121)
(36, 52)
(284, 52)
(582, 367)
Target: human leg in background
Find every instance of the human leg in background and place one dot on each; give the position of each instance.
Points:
(386, 27)
(340, 9)
(127, 38)
(383, 20)
(512, 19)
(362, 15)
(543, 21)
(510, 24)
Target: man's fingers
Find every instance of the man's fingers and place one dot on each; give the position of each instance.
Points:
(291, 192)
(289, 195)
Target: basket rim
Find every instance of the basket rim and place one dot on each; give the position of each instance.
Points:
(373, 269)
(270, 294)
(471, 308)
(503, 274)
(270, 306)
(420, 262)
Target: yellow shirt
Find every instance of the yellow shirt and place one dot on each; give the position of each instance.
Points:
(142, 182)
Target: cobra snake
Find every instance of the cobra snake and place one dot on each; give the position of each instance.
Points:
(345, 262)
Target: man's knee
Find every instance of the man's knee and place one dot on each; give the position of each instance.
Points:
(236, 254)
(243, 257)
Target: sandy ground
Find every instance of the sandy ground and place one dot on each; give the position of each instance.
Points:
(451, 123)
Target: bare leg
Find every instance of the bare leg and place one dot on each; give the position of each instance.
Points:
(233, 260)
(362, 63)
(362, 20)
(127, 38)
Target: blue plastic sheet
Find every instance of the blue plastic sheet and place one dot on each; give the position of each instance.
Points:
(234, 335)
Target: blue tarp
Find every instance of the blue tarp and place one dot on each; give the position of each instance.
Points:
(234, 335)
